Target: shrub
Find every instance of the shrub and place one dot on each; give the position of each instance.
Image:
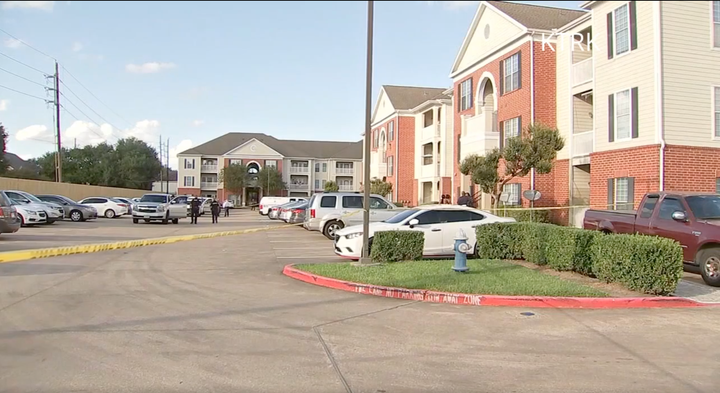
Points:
(649, 264)
(542, 216)
(395, 246)
(498, 241)
(570, 249)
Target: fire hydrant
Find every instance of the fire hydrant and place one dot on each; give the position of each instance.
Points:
(462, 248)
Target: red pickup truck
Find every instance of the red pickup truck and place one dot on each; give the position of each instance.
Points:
(692, 219)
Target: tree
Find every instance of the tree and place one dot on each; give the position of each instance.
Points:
(25, 173)
(235, 178)
(380, 187)
(536, 148)
(135, 164)
(3, 148)
(270, 180)
(331, 186)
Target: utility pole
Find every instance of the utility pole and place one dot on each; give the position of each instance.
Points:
(365, 255)
(167, 166)
(161, 156)
(58, 157)
(75, 144)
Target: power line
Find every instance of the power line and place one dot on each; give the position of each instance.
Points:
(89, 107)
(86, 116)
(22, 77)
(25, 64)
(28, 45)
(23, 93)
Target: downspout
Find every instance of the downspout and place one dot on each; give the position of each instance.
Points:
(659, 104)
(396, 139)
(532, 95)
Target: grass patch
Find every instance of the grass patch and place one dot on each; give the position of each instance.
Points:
(486, 277)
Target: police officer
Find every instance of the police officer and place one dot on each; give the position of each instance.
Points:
(215, 210)
(194, 210)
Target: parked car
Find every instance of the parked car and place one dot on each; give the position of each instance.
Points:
(266, 203)
(287, 210)
(30, 213)
(692, 219)
(106, 207)
(330, 212)
(128, 202)
(9, 219)
(298, 214)
(54, 211)
(72, 210)
(274, 212)
(159, 207)
(439, 223)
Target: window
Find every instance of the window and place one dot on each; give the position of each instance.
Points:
(511, 73)
(390, 162)
(459, 153)
(317, 184)
(717, 185)
(324, 167)
(352, 202)
(391, 131)
(717, 109)
(459, 216)
(622, 30)
(513, 191)
(189, 181)
(511, 128)
(377, 203)
(670, 206)
(623, 116)
(273, 163)
(376, 138)
(328, 202)
(466, 94)
(189, 163)
(322, 183)
(716, 23)
(704, 207)
(649, 206)
(428, 218)
(621, 193)
(317, 167)
(236, 162)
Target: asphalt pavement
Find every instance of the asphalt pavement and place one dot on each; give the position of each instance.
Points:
(217, 315)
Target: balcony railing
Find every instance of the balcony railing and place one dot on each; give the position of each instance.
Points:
(582, 72)
(345, 187)
(208, 185)
(346, 171)
(583, 143)
(209, 168)
(480, 135)
(299, 169)
(431, 131)
(298, 186)
(427, 171)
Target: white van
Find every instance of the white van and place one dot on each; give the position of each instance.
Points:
(268, 202)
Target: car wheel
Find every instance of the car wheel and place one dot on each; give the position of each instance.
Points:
(109, 213)
(175, 221)
(22, 220)
(331, 229)
(710, 266)
(76, 216)
(135, 221)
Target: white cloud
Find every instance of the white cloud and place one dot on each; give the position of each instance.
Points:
(12, 43)
(38, 5)
(454, 4)
(181, 147)
(4, 105)
(148, 68)
(77, 47)
(198, 123)
(85, 133)
(33, 132)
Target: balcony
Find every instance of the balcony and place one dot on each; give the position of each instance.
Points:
(582, 72)
(345, 187)
(209, 185)
(209, 168)
(480, 133)
(298, 186)
(303, 170)
(428, 171)
(432, 131)
(583, 143)
(345, 171)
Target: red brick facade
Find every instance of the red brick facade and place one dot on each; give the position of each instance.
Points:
(518, 103)
(401, 147)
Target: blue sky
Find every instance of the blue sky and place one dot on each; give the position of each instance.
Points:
(192, 71)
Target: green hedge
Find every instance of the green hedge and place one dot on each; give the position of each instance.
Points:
(396, 246)
(524, 215)
(647, 264)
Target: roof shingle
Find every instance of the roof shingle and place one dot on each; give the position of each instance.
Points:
(408, 97)
(538, 17)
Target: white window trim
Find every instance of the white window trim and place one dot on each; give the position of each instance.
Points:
(713, 111)
(391, 131)
(185, 179)
(713, 45)
(518, 200)
(514, 76)
(615, 115)
(615, 54)
(467, 82)
(615, 192)
(516, 120)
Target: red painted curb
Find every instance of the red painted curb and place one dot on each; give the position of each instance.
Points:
(487, 300)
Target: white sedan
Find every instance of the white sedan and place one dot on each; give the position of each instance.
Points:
(439, 223)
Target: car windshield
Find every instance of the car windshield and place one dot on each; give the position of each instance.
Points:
(400, 217)
(704, 207)
(154, 198)
(31, 197)
(117, 200)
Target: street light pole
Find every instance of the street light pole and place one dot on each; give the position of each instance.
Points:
(366, 163)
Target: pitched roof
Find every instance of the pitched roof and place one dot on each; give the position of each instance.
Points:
(288, 148)
(15, 162)
(538, 17)
(408, 97)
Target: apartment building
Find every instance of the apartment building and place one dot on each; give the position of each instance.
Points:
(641, 105)
(434, 160)
(393, 127)
(504, 78)
(306, 166)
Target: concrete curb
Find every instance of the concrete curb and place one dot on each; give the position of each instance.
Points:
(486, 300)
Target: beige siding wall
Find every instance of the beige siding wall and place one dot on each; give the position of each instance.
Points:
(75, 192)
(583, 111)
(632, 69)
(691, 69)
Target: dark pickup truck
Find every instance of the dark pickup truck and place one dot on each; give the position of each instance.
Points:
(692, 219)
